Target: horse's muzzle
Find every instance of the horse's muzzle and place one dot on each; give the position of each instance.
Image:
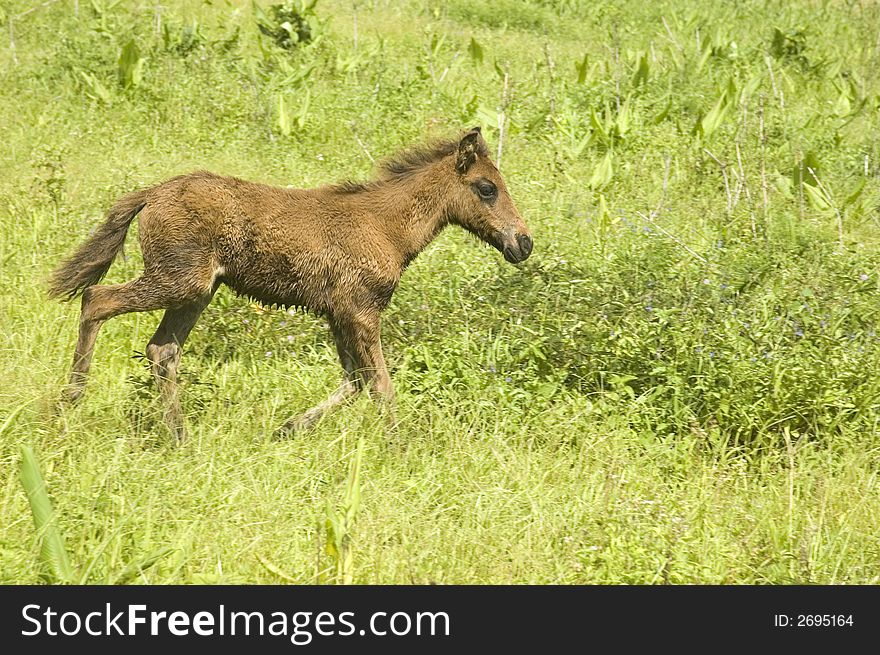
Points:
(517, 249)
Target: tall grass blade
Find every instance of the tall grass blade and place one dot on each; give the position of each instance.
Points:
(52, 550)
(339, 523)
(283, 117)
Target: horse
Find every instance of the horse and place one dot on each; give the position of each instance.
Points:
(338, 251)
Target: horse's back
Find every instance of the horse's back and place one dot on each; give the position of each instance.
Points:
(277, 245)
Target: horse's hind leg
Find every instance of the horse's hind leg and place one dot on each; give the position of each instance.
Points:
(100, 303)
(164, 351)
(82, 356)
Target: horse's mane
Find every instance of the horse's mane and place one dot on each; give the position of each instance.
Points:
(408, 162)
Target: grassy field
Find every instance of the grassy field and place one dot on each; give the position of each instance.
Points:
(679, 386)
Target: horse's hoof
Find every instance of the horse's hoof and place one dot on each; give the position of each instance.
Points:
(289, 429)
(178, 431)
(293, 426)
(71, 395)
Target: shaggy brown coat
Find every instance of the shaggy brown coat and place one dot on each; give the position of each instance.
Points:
(336, 250)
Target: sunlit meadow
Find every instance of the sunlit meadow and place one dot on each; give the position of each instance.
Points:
(679, 386)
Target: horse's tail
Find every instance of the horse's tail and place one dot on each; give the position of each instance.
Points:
(92, 259)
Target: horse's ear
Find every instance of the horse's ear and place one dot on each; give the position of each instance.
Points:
(467, 151)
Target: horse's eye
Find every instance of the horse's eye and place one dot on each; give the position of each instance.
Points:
(486, 189)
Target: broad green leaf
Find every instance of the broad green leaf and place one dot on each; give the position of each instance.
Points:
(643, 69)
(603, 172)
(437, 42)
(303, 112)
(546, 390)
(130, 65)
(581, 69)
(96, 90)
(599, 126)
(604, 214)
(715, 116)
(259, 14)
(817, 198)
(487, 117)
(853, 197)
(622, 123)
(704, 57)
(663, 113)
(291, 31)
(476, 51)
(842, 107)
(750, 87)
(805, 171)
(783, 184)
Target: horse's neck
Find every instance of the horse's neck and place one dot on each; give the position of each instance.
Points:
(415, 212)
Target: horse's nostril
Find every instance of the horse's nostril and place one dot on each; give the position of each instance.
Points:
(525, 244)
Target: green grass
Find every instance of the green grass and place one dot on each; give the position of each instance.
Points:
(679, 386)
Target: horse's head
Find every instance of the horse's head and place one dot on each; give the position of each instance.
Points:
(484, 207)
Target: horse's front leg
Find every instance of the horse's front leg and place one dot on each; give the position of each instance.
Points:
(351, 383)
(360, 351)
(377, 379)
